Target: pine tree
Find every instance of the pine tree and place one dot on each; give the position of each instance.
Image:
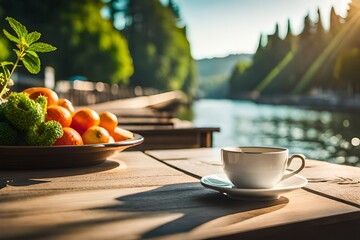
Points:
(319, 25)
(348, 60)
(334, 21)
(159, 48)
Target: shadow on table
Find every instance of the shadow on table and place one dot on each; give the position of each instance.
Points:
(197, 205)
(31, 177)
(191, 204)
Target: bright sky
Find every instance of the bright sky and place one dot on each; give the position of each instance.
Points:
(218, 28)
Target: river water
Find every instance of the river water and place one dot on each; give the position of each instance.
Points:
(323, 135)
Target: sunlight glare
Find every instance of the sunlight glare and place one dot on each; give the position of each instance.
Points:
(355, 141)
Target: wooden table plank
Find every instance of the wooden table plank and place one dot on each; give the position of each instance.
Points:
(332, 180)
(179, 210)
(134, 196)
(124, 169)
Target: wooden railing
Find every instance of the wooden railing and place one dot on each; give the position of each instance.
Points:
(81, 92)
(86, 92)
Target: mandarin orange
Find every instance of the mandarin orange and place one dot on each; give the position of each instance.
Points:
(108, 121)
(59, 114)
(65, 103)
(70, 137)
(120, 134)
(84, 119)
(34, 92)
(95, 134)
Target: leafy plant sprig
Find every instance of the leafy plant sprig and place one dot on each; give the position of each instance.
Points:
(26, 51)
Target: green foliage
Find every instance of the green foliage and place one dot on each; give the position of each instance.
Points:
(213, 87)
(220, 66)
(26, 53)
(237, 73)
(87, 43)
(313, 59)
(347, 68)
(98, 50)
(5, 50)
(159, 48)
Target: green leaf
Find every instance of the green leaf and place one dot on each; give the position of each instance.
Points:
(20, 29)
(17, 52)
(42, 47)
(11, 37)
(6, 71)
(32, 37)
(31, 62)
(6, 63)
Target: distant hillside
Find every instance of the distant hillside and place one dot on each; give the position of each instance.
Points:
(214, 74)
(219, 66)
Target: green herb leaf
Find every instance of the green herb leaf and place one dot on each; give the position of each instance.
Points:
(6, 72)
(41, 47)
(20, 29)
(25, 52)
(32, 37)
(17, 52)
(11, 37)
(4, 63)
(31, 62)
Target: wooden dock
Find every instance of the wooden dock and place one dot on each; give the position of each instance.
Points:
(154, 118)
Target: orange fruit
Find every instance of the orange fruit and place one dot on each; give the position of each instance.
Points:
(83, 119)
(95, 134)
(120, 134)
(70, 137)
(65, 103)
(34, 92)
(108, 121)
(59, 114)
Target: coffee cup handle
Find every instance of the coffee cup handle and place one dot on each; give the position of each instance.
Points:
(298, 156)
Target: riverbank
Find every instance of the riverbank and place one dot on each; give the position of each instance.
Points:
(328, 102)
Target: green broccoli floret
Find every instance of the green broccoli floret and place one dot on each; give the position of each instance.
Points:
(42, 100)
(24, 113)
(45, 134)
(8, 135)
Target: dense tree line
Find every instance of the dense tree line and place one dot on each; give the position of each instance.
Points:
(158, 44)
(314, 59)
(151, 51)
(86, 43)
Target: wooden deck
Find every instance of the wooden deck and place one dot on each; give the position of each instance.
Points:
(146, 116)
(157, 195)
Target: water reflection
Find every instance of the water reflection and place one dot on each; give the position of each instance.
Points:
(323, 135)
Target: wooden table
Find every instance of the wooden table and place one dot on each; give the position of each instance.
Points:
(157, 194)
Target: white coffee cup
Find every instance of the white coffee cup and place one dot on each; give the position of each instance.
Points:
(258, 167)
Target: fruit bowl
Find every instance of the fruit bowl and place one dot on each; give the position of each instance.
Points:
(33, 157)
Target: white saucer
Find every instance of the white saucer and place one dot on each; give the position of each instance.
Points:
(221, 183)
